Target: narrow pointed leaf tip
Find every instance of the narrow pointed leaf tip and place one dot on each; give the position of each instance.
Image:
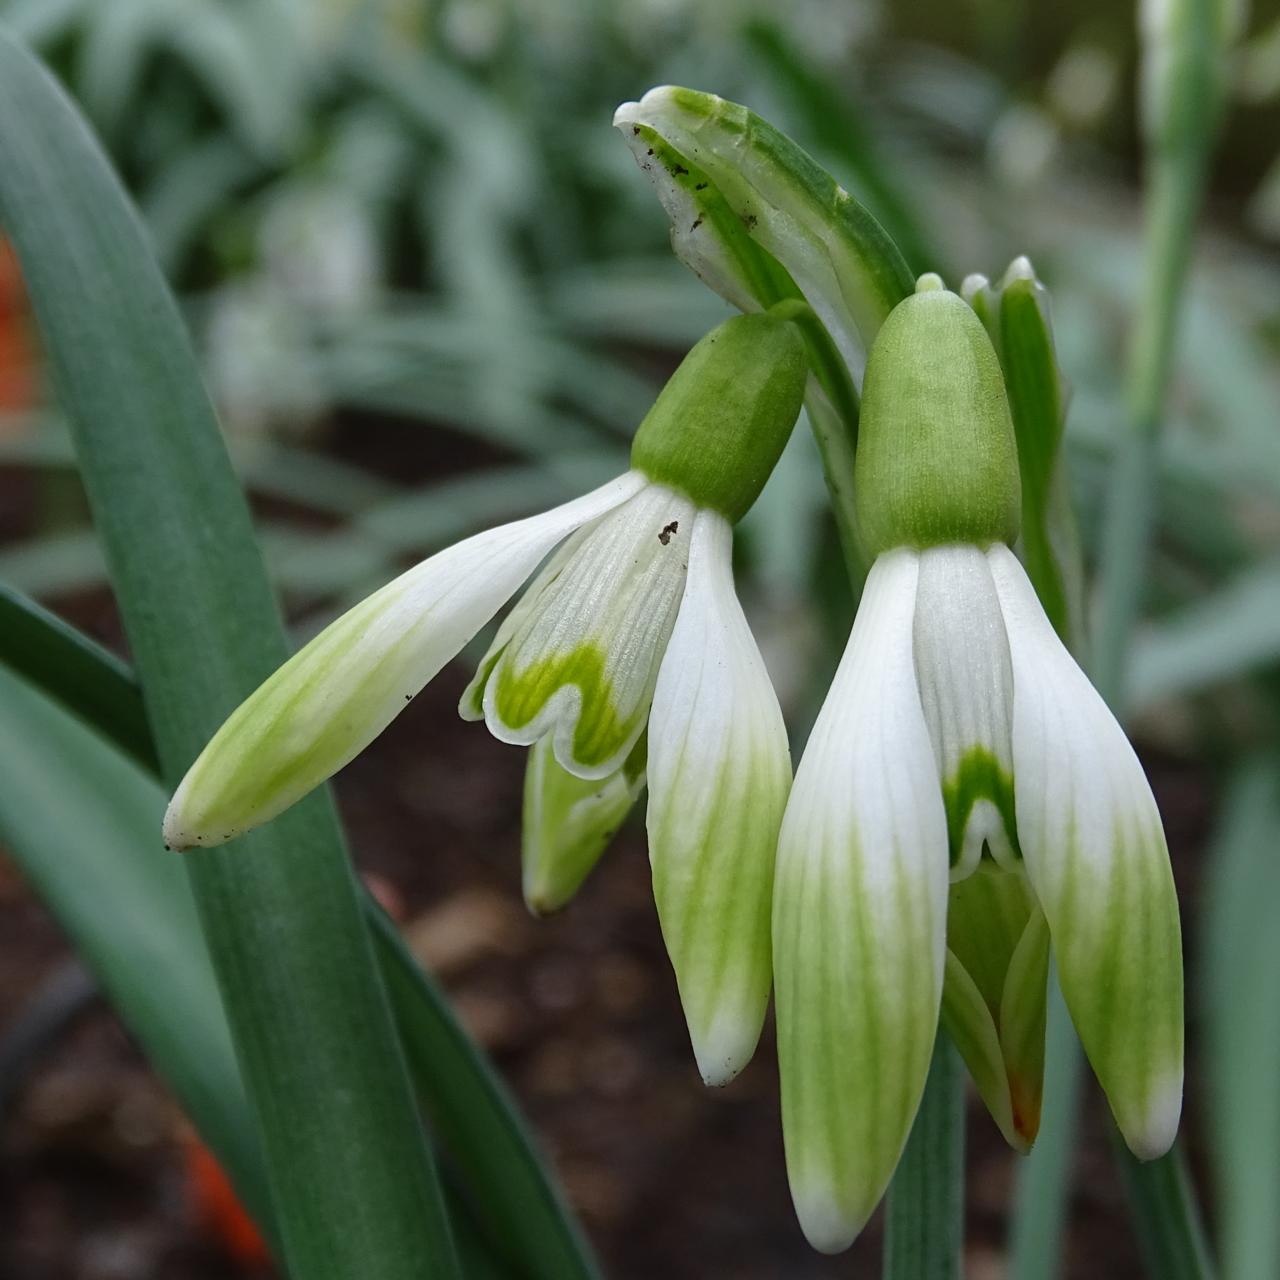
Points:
(719, 773)
(330, 700)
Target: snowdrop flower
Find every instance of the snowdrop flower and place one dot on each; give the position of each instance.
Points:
(965, 797)
(632, 624)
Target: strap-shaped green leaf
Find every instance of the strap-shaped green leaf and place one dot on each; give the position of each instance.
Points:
(351, 1176)
(1240, 954)
(478, 1123)
(81, 821)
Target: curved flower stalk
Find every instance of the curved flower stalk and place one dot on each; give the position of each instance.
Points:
(965, 798)
(632, 623)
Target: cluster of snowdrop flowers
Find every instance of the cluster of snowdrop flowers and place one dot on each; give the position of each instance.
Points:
(965, 801)
(631, 624)
(965, 798)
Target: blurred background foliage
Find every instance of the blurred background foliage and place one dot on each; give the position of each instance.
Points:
(418, 213)
(412, 221)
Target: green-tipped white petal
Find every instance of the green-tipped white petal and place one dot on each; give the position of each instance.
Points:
(993, 1000)
(719, 772)
(1096, 857)
(331, 699)
(582, 663)
(568, 822)
(966, 689)
(471, 704)
(859, 920)
(972, 1029)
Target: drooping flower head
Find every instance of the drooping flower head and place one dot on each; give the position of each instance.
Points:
(632, 624)
(965, 799)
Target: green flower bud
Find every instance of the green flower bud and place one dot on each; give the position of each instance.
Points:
(718, 427)
(936, 461)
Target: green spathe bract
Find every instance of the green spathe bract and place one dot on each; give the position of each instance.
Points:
(719, 426)
(937, 462)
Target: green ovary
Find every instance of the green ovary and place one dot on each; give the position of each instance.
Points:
(600, 732)
(979, 777)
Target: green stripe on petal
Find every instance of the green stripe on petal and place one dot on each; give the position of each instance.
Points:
(330, 700)
(583, 660)
(471, 704)
(1023, 1008)
(719, 773)
(859, 921)
(987, 915)
(966, 690)
(997, 936)
(973, 1031)
(1096, 857)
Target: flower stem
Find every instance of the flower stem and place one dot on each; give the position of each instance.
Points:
(924, 1219)
(832, 406)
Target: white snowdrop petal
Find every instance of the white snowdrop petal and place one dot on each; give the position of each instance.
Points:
(966, 689)
(583, 660)
(331, 699)
(1096, 857)
(859, 920)
(719, 772)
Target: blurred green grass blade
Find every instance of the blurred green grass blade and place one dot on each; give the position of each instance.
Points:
(924, 1215)
(839, 127)
(477, 1122)
(1040, 1203)
(1219, 637)
(1240, 959)
(49, 653)
(510, 1194)
(352, 1179)
(1166, 1216)
(82, 822)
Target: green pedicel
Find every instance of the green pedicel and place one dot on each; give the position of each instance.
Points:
(719, 425)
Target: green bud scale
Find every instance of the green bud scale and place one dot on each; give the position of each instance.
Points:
(718, 427)
(937, 461)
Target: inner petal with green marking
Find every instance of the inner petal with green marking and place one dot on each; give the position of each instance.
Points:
(994, 994)
(965, 679)
(579, 656)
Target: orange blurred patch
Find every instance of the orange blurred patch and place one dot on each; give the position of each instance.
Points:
(217, 1208)
(17, 352)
